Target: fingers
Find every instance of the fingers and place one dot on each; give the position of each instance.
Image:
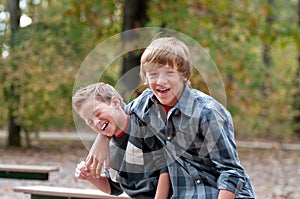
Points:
(93, 168)
(81, 171)
(81, 166)
(94, 165)
(98, 154)
(96, 168)
(81, 174)
(89, 160)
(107, 161)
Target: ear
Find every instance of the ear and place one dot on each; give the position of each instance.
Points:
(184, 78)
(115, 101)
(145, 82)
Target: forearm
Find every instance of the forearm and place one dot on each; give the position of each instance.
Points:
(163, 186)
(224, 194)
(101, 183)
(98, 154)
(100, 147)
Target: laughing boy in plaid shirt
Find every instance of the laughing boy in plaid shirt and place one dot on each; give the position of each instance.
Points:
(197, 131)
(137, 163)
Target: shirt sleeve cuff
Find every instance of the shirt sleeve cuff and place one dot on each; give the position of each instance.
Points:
(231, 183)
(164, 170)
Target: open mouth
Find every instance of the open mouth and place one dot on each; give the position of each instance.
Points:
(104, 126)
(163, 90)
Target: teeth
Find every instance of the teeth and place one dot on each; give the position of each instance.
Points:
(104, 126)
(163, 90)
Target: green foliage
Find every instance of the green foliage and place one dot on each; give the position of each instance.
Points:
(234, 34)
(43, 65)
(42, 69)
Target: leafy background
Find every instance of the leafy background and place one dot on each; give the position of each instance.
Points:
(42, 65)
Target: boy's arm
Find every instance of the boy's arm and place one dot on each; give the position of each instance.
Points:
(224, 194)
(219, 135)
(98, 154)
(101, 183)
(163, 187)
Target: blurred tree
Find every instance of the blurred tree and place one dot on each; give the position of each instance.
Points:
(134, 16)
(233, 34)
(48, 52)
(267, 42)
(12, 90)
(296, 100)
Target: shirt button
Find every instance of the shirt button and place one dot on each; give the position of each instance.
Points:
(198, 181)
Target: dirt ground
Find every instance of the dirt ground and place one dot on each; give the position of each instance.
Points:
(275, 174)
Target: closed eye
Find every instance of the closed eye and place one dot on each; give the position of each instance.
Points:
(152, 74)
(97, 113)
(170, 70)
(89, 122)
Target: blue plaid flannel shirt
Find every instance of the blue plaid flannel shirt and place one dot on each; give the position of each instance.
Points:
(199, 144)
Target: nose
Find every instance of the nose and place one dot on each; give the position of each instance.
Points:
(162, 78)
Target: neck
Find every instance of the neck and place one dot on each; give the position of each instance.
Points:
(122, 124)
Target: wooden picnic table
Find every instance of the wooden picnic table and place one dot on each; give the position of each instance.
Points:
(47, 192)
(29, 172)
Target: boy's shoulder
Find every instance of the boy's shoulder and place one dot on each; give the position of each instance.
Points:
(194, 100)
(139, 102)
(146, 94)
(136, 121)
(206, 99)
(192, 95)
(203, 98)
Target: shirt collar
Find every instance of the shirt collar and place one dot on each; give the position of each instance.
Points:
(186, 102)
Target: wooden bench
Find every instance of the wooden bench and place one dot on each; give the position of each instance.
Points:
(29, 172)
(49, 192)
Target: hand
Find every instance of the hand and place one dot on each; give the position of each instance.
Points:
(99, 154)
(82, 172)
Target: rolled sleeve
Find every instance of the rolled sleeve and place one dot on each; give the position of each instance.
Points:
(164, 170)
(222, 150)
(231, 181)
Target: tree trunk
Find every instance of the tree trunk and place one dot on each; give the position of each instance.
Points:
(135, 16)
(267, 51)
(15, 15)
(14, 138)
(297, 85)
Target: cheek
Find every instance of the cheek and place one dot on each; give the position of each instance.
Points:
(151, 85)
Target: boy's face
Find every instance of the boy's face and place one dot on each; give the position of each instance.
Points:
(166, 83)
(101, 117)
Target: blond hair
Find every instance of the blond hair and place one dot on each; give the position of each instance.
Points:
(100, 91)
(166, 51)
